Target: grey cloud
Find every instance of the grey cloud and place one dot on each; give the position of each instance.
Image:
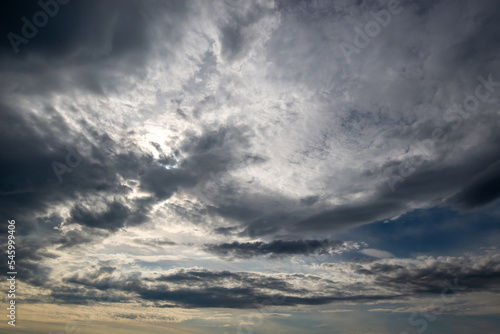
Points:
(275, 248)
(423, 184)
(309, 200)
(89, 44)
(72, 51)
(217, 289)
(483, 189)
(218, 151)
(112, 219)
(245, 298)
(468, 185)
(385, 280)
(27, 192)
(350, 215)
(213, 152)
(155, 242)
(236, 35)
(208, 278)
(429, 275)
(226, 230)
(78, 237)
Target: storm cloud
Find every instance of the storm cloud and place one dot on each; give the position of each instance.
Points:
(278, 248)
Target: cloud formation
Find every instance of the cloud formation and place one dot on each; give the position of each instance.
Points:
(378, 280)
(280, 248)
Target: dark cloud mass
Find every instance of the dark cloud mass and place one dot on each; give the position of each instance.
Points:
(275, 248)
(432, 275)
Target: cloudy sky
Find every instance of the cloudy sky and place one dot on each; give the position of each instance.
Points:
(234, 166)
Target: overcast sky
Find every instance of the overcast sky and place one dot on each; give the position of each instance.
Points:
(233, 166)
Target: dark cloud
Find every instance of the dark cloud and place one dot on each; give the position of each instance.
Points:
(155, 242)
(163, 182)
(235, 212)
(226, 230)
(79, 237)
(208, 278)
(211, 153)
(309, 200)
(236, 35)
(244, 298)
(102, 30)
(381, 280)
(468, 185)
(431, 275)
(30, 186)
(350, 215)
(104, 280)
(112, 219)
(204, 288)
(33, 241)
(427, 182)
(72, 50)
(87, 44)
(187, 276)
(275, 248)
(483, 189)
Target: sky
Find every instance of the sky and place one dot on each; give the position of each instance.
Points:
(264, 166)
